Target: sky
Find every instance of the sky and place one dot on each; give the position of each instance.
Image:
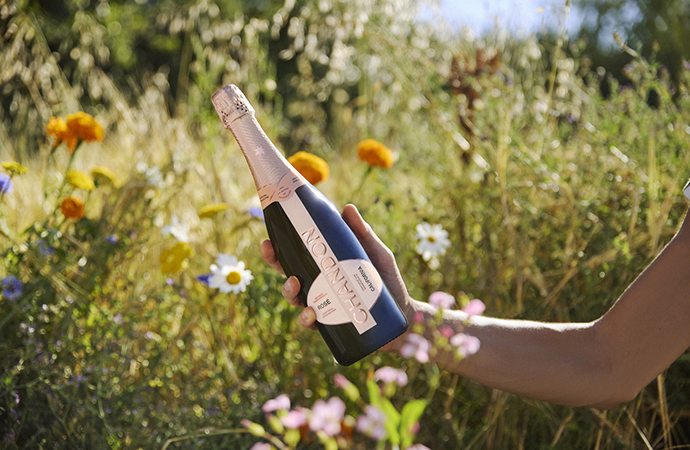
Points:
(516, 15)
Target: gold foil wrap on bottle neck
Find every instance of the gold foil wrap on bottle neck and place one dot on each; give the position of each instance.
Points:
(231, 104)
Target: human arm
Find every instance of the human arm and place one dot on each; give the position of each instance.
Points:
(599, 364)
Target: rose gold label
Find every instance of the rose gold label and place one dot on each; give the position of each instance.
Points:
(345, 291)
(281, 191)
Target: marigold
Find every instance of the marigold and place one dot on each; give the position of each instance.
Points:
(80, 180)
(313, 168)
(375, 153)
(72, 208)
(77, 127)
(211, 210)
(57, 127)
(104, 176)
(14, 168)
(173, 259)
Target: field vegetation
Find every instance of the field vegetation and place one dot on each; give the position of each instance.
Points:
(554, 198)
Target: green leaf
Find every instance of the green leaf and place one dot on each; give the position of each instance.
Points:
(411, 413)
(392, 424)
(276, 424)
(292, 437)
(374, 394)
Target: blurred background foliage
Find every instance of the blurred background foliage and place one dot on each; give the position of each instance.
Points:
(557, 177)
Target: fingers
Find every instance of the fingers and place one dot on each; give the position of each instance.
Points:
(307, 318)
(290, 291)
(380, 255)
(269, 255)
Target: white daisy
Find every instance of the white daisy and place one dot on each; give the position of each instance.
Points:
(178, 229)
(229, 275)
(433, 241)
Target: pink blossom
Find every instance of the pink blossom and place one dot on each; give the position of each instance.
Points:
(474, 307)
(391, 375)
(341, 381)
(447, 331)
(442, 300)
(418, 317)
(417, 447)
(280, 402)
(466, 345)
(416, 346)
(372, 423)
(295, 418)
(261, 446)
(326, 416)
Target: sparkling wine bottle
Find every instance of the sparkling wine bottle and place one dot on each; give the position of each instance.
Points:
(355, 313)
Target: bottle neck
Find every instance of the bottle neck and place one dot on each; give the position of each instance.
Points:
(274, 176)
(267, 164)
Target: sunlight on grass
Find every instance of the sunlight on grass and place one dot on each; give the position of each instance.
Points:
(554, 198)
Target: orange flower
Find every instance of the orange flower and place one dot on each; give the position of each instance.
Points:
(57, 127)
(375, 153)
(72, 208)
(313, 168)
(78, 127)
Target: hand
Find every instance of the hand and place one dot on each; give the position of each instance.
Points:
(380, 256)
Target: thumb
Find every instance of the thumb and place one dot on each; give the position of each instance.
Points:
(381, 256)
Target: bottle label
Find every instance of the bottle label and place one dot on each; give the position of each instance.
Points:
(344, 291)
(281, 191)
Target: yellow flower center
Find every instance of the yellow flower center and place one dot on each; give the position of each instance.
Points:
(234, 277)
(431, 239)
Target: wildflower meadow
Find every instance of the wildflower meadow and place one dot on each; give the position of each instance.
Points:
(136, 311)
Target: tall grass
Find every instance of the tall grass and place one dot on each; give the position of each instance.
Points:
(554, 197)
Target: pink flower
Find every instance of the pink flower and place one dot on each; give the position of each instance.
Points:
(295, 418)
(418, 317)
(447, 331)
(416, 346)
(391, 375)
(417, 447)
(372, 423)
(326, 416)
(341, 381)
(280, 402)
(261, 446)
(442, 300)
(474, 307)
(466, 345)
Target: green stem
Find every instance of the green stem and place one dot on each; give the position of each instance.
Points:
(361, 184)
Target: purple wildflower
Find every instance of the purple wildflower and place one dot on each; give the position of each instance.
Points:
(280, 402)
(295, 418)
(474, 308)
(372, 423)
(261, 446)
(12, 287)
(391, 375)
(326, 416)
(5, 184)
(45, 249)
(442, 300)
(112, 239)
(417, 346)
(204, 278)
(466, 345)
(256, 212)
